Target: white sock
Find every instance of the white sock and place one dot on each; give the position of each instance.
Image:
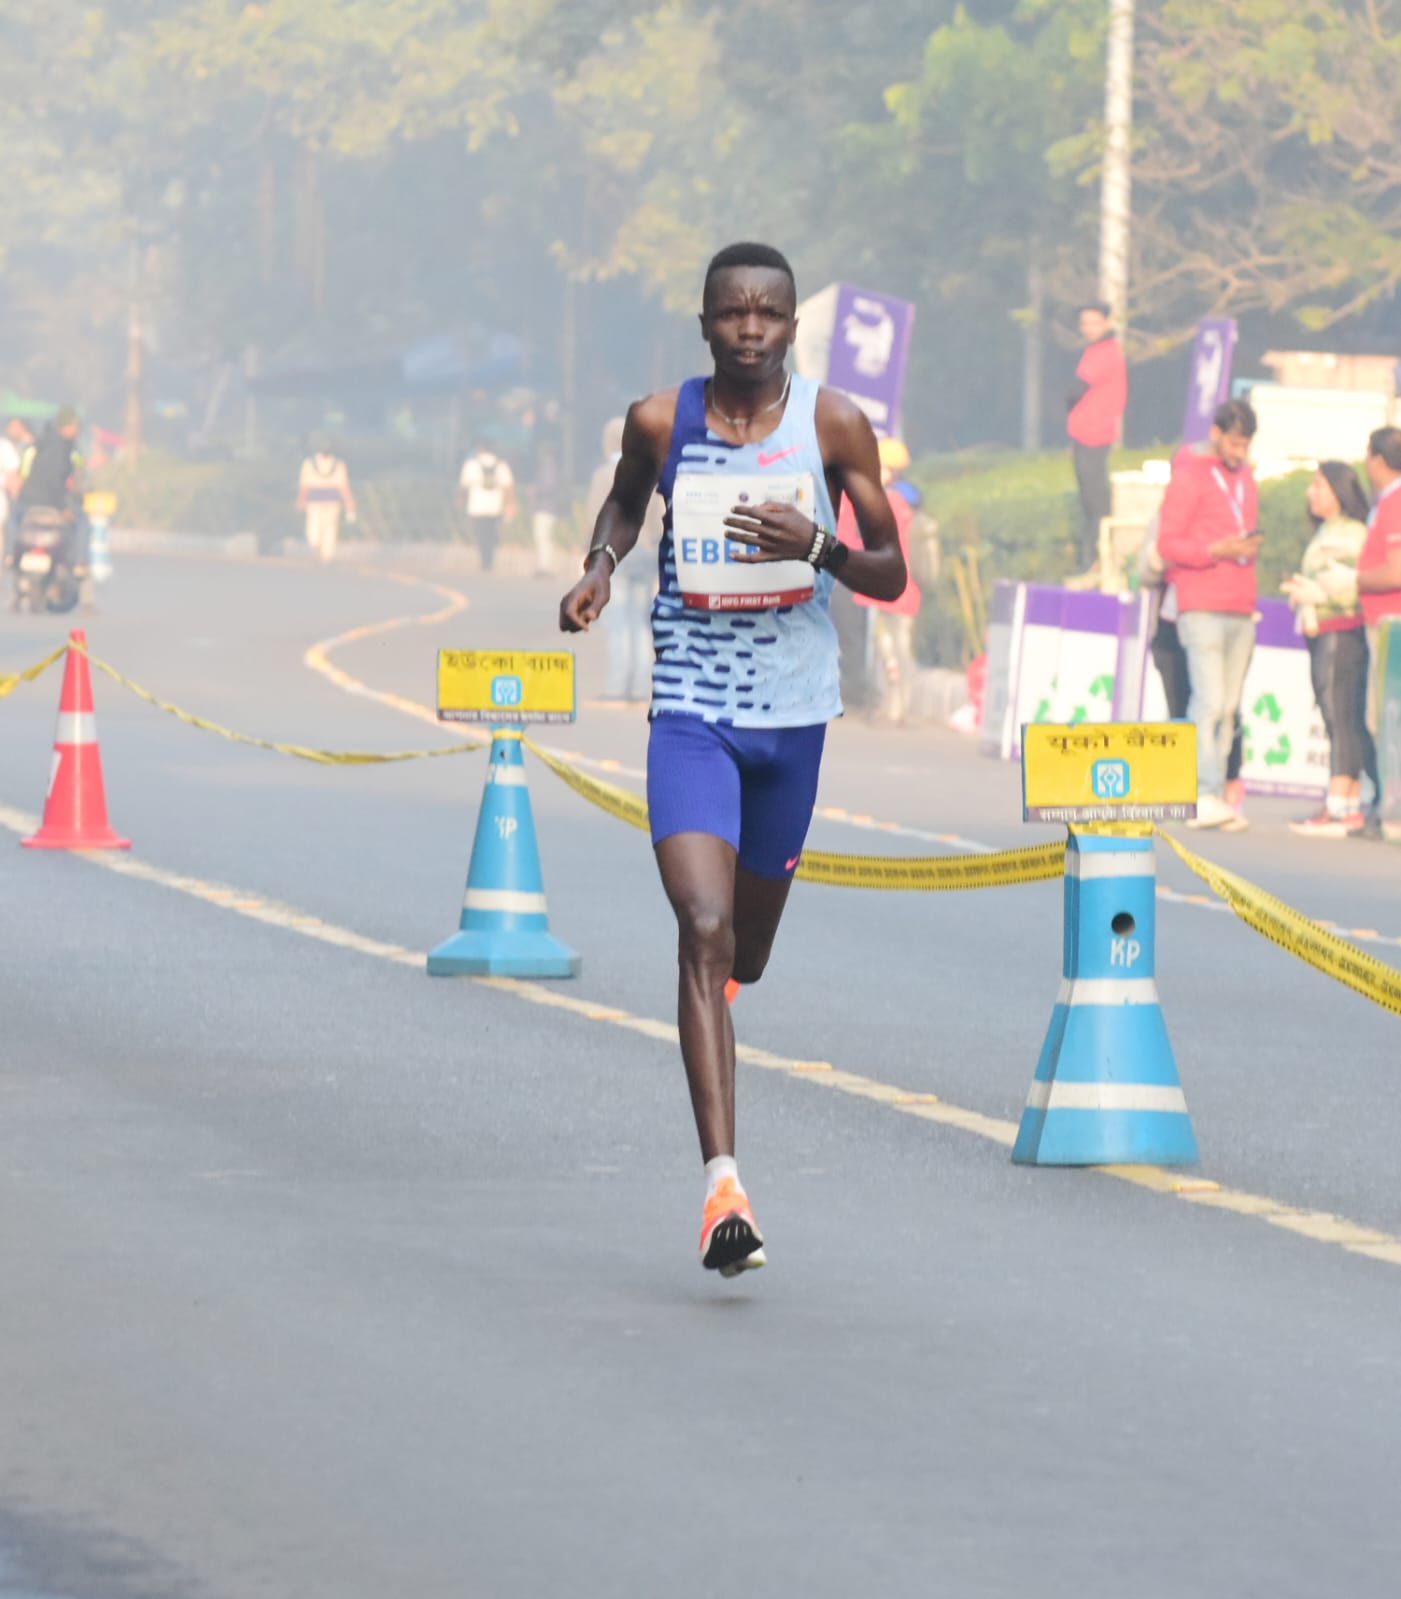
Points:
(717, 1170)
(1338, 805)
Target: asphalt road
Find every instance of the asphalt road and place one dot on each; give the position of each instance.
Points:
(323, 1278)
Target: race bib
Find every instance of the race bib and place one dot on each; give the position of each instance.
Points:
(707, 573)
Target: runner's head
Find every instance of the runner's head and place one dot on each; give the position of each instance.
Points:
(749, 312)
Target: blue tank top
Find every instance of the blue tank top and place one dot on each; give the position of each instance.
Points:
(773, 668)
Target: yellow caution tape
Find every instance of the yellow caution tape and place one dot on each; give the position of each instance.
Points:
(934, 873)
(618, 802)
(1328, 953)
(927, 873)
(12, 681)
(300, 751)
(1324, 951)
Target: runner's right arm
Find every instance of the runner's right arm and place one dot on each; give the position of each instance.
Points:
(646, 438)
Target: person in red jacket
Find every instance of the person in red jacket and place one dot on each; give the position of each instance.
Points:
(1379, 577)
(1208, 543)
(1097, 404)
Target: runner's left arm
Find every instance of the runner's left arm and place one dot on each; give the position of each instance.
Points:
(849, 445)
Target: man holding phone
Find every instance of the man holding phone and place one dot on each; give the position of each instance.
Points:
(1208, 542)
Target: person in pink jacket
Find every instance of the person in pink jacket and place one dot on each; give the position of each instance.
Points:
(1095, 419)
(1208, 542)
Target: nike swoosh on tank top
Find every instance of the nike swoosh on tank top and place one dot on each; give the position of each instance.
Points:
(775, 668)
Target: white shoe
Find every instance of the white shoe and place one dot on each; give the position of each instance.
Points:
(1212, 811)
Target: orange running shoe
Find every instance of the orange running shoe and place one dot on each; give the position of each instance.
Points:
(730, 1239)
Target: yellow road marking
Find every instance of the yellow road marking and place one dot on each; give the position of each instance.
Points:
(1319, 1227)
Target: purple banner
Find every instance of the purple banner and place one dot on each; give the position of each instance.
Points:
(870, 347)
(1210, 380)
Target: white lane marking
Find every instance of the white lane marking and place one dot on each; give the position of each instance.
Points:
(1107, 1096)
(1319, 1226)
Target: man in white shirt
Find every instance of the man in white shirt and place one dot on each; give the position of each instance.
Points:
(487, 490)
(15, 440)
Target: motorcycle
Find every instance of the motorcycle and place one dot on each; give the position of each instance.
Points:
(45, 576)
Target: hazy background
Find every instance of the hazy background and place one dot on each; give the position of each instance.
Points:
(441, 197)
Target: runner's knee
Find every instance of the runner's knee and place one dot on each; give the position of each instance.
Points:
(749, 964)
(707, 935)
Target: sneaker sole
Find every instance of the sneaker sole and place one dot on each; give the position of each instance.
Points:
(749, 1263)
(732, 1247)
(1237, 824)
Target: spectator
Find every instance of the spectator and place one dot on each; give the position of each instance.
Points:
(1379, 577)
(323, 495)
(1097, 404)
(487, 491)
(627, 623)
(1171, 659)
(894, 619)
(14, 442)
(1208, 544)
(1323, 593)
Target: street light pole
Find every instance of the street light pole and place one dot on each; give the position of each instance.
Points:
(1118, 128)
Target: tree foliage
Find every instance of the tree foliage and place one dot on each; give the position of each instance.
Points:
(284, 171)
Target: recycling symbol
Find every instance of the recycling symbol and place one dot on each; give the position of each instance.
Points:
(1268, 708)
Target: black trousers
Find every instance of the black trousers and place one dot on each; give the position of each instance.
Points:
(1338, 662)
(487, 532)
(1096, 499)
(1171, 660)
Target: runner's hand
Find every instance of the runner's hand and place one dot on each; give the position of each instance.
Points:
(776, 532)
(584, 603)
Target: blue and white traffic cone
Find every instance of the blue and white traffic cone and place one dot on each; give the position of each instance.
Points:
(505, 928)
(99, 549)
(1106, 1090)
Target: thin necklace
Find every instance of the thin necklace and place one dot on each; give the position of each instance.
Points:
(747, 421)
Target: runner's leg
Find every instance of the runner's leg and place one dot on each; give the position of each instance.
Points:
(778, 792)
(758, 909)
(698, 874)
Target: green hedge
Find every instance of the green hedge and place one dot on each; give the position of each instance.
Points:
(1019, 515)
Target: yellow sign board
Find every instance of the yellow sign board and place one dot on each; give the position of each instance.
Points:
(505, 686)
(1109, 772)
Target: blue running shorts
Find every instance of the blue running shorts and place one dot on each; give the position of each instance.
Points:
(755, 787)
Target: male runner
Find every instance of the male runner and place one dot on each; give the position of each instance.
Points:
(740, 699)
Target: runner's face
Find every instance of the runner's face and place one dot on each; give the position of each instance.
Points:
(749, 321)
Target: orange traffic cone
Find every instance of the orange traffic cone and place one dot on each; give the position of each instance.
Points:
(75, 811)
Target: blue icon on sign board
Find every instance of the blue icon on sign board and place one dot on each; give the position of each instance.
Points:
(505, 691)
(1110, 779)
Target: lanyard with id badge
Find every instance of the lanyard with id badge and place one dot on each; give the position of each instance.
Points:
(707, 573)
(1236, 501)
